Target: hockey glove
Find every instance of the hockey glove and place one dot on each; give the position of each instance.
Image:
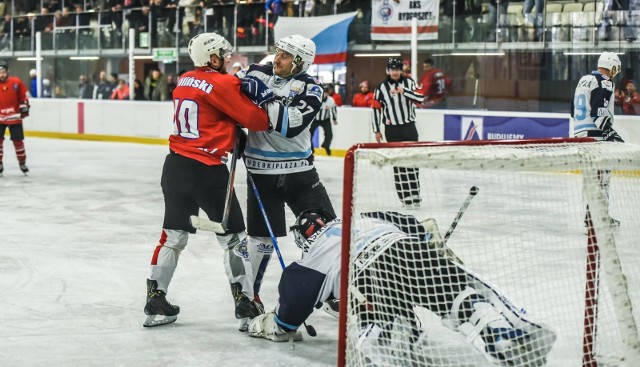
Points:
(24, 110)
(608, 133)
(256, 90)
(242, 142)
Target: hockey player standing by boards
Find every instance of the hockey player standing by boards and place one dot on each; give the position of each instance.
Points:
(14, 106)
(281, 161)
(401, 265)
(394, 107)
(208, 105)
(592, 109)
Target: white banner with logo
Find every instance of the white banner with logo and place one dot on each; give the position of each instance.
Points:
(391, 19)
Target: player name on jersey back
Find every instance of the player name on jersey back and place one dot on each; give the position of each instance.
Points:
(195, 83)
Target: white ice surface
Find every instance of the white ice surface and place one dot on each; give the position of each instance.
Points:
(76, 239)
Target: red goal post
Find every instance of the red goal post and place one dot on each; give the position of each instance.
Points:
(608, 281)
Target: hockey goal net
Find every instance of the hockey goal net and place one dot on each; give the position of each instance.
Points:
(524, 253)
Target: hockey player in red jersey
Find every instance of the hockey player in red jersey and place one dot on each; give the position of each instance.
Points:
(208, 106)
(14, 106)
(434, 84)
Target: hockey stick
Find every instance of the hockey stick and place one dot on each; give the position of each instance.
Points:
(221, 228)
(310, 329)
(472, 193)
(15, 116)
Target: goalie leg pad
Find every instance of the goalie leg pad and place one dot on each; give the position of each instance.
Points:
(266, 327)
(497, 328)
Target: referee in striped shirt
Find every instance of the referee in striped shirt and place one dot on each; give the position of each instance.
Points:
(395, 107)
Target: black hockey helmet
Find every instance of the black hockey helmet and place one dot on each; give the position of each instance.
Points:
(308, 223)
(394, 64)
(4, 65)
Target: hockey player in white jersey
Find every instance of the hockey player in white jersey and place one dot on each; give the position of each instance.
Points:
(281, 160)
(402, 265)
(592, 109)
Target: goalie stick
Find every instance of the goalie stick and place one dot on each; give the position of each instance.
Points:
(442, 244)
(310, 329)
(221, 228)
(472, 193)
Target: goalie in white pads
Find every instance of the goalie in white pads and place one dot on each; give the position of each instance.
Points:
(402, 264)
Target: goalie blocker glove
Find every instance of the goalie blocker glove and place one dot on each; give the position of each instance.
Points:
(256, 90)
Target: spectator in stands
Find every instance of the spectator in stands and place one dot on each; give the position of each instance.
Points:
(626, 78)
(115, 8)
(44, 22)
(196, 26)
(364, 98)
(275, 8)
(337, 98)
(155, 86)
(104, 88)
(531, 19)
(497, 12)
(171, 85)
(61, 20)
(85, 89)
(47, 92)
(138, 91)
(631, 101)
(33, 87)
(52, 6)
(406, 69)
(433, 85)
(5, 33)
(58, 92)
(121, 92)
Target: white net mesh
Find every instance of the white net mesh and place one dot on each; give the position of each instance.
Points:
(535, 274)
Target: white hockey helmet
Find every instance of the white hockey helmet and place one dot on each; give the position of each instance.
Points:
(611, 62)
(203, 45)
(302, 49)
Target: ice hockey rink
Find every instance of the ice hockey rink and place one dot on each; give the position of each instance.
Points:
(77, 237)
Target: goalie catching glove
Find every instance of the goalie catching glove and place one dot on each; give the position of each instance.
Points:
(256, 90)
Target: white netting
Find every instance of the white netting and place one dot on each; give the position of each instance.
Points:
(531, 285)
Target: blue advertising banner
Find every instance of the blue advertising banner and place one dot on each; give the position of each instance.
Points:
(460, 127)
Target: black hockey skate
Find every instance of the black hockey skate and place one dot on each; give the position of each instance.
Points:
(246, 309)
(1, 169)
(157, 305)
(24, 169)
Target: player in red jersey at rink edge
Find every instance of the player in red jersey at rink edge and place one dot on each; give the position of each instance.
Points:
(209, 104)
(14, 106)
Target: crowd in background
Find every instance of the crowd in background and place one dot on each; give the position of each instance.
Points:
(166, 21)
(156, 87)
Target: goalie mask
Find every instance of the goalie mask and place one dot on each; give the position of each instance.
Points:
(203, 45)
(308, 223)
(611, 62)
